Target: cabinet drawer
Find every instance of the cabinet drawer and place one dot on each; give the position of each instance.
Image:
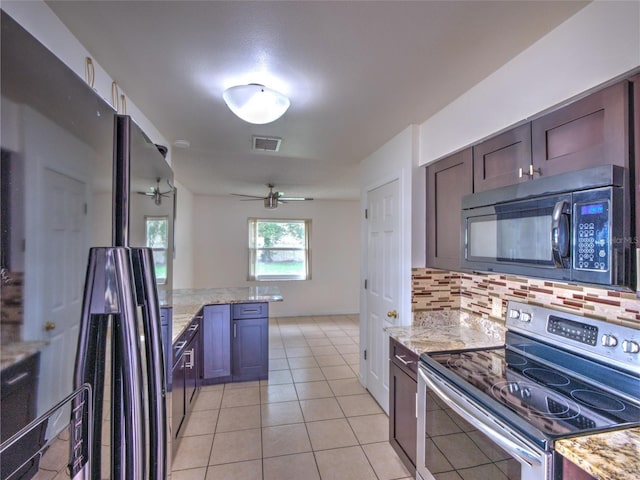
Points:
(186, 336)
(404, 358)
(250, 310)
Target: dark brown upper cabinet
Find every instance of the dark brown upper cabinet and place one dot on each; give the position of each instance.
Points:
(635, 81)
(588, 132)
(448, 180)
(502, 160)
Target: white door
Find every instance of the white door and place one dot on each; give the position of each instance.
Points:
(383, 289)
(63, 271)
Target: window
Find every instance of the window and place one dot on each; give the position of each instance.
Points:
(157, 229)
(279, 249)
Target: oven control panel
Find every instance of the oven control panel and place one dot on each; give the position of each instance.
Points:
(580, 332)
(604, 341)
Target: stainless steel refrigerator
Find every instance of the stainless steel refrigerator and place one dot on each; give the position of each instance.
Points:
(87, 204)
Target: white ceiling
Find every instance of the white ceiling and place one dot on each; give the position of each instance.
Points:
(357, 73)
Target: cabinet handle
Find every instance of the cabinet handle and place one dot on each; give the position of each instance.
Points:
(190, 363)
(180, 345)
(250, 310)
(530, 174)
(235, 329)
(17, 378)
(416, 404)
(194, 327)
(404, 362)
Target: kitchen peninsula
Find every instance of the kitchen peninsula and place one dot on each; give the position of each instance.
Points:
(218, 335)
(187, 302)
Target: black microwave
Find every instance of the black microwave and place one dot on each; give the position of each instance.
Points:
(573, 227)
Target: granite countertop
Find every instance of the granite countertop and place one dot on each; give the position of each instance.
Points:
(606, 456)
(434, 331)
(188, 302)
(16, 352)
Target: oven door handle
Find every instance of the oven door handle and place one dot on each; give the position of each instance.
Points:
(477, 416)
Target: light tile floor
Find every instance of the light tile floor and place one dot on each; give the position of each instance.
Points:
(311, 420)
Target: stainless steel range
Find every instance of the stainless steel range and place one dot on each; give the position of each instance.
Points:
(496, 413)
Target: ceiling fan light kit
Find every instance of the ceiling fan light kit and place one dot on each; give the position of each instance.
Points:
(255, 103)
(156, 194)
(271, 202)
(272, 199)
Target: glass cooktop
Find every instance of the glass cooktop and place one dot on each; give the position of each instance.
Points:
(554, 402)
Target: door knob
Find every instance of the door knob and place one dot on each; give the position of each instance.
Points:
(392, 314)
(48, 326)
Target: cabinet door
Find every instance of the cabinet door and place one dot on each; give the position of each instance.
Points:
(403, 424)
(216, 343)
(448, 180)
(588, 132)
(498, 161)
(192, 370)
(18, 399)
(178, 404)
(636, 142)
(403, 374)
(250, 349)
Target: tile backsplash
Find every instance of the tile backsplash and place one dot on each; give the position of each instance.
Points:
(11, 307)
(434, 289)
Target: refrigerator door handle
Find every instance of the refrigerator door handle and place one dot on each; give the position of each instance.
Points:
(156, 384)
(128, 350)
(109, 294)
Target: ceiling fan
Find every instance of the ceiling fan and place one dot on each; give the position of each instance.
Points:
(272, 199)
(156, 194)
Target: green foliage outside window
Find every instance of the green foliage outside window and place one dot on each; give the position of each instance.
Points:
(157, 236)
(278, 249)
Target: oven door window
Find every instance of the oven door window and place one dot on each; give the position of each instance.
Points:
(453, 446)
(518, 233)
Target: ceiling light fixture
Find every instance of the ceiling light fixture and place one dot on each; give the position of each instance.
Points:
(255, 103)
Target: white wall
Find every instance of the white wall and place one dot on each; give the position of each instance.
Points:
(220, 242)
(184, 235)
(600, 42)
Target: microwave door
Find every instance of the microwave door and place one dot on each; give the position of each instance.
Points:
(514, 237)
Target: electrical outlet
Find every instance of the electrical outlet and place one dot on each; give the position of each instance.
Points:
(496, 307)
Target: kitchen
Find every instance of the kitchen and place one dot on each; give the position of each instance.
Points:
(415, 145)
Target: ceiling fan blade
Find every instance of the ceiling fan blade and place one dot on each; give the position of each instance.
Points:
(251, 199)
(295, 199)
(255, 197)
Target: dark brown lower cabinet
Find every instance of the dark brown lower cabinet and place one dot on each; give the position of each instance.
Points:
(235, 342)
(185, 376)
(250, 349)
(403, 389)
(216, 341)
(18, 397)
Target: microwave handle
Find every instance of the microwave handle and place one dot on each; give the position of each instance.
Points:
(560, 233)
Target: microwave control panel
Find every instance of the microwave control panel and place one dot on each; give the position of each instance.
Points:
(591, 236)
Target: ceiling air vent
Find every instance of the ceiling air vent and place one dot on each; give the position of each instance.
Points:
(266, 144)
